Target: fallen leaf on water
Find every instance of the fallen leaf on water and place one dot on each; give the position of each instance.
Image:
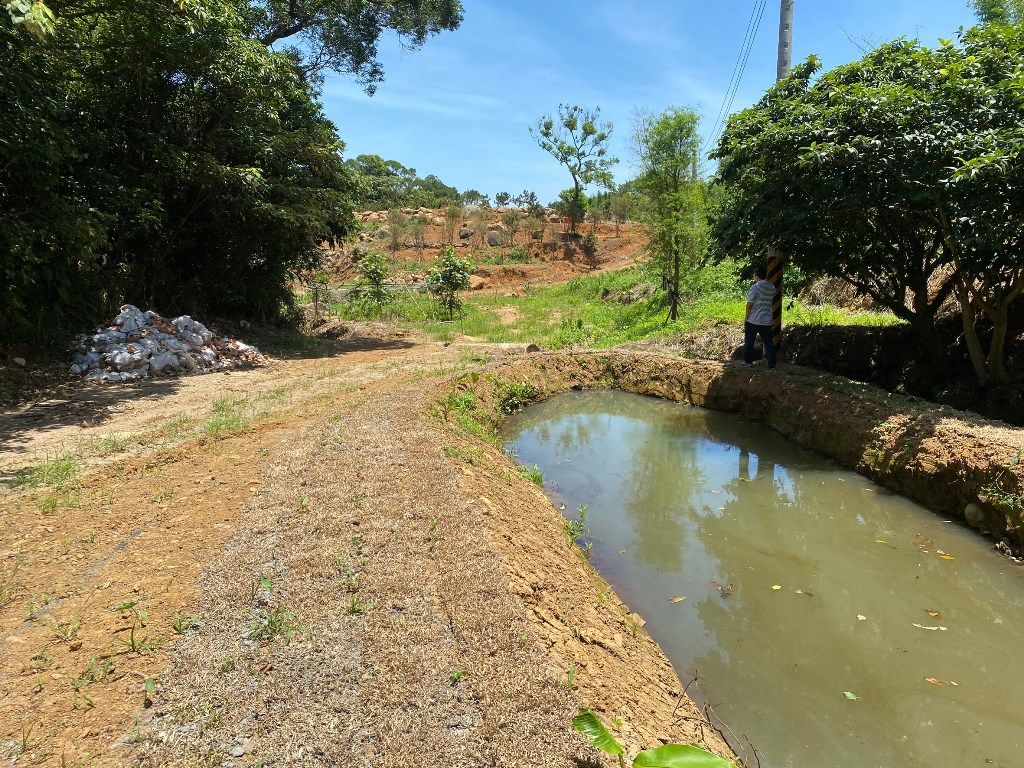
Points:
(933, 614)
(930, 629)
(851, 695)
(933, 681)
(798, 591)
(947, 557)
(861, 617)
(677, 599)
(776, 587)
(956, 684)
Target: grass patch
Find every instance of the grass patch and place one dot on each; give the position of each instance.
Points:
(826, 314)
(584, 312)
(513, 396)
(57, 473)
(273, 623)
(533, 474)
(51, 502)
(108, 445)
(228, 416)
(461, 407)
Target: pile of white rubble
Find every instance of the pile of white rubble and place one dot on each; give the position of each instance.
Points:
(142, 344)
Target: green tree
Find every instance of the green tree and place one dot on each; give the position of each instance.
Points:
(620, 206)
(398, 227)
(501, 199)
(673, 195)
(374, 270)
(999, 11)
(342, 35)
(513, 221)
(579, 141)
(452, 218)
(175, 155)
(417, 229)
(480, 222)
(525, 199)
(900, 174)
(384, 184)
(157, 155)
(573, 205)
(474, 197)
(446, 278)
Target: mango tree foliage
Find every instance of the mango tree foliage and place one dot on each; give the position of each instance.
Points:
(33, 15)
(578, 140)
(982, 207)
(342, 35)
(899, 173)
(672, 195)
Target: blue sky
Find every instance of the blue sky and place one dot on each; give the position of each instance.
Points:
(461, 106)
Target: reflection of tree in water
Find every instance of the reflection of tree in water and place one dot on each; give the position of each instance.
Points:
(663, 484)
(771, 651)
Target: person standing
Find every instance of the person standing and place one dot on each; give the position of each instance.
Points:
(758, 320)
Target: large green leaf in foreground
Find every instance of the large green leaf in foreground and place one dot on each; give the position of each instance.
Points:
(679, 756)
(590, 725)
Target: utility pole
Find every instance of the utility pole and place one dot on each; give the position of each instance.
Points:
(785, 38)
(775, 260)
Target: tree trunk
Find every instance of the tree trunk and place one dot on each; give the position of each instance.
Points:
(673, 312)
(969, 316)
(997, 349)
(575, 205)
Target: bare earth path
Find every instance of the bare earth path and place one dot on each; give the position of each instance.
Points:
(287, 566)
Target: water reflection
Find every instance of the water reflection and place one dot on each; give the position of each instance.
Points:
(720, 510)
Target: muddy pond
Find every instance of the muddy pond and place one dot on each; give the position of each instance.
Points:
(827, 620)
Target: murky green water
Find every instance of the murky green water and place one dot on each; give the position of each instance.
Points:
(690, 503)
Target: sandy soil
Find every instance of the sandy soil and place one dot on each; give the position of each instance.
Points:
(344, 521)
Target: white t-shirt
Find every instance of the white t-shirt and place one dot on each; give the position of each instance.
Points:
(761, 295)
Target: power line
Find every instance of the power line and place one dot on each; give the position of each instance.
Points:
(739, 58)
(750, 36)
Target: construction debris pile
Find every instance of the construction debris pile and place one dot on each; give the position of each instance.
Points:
(143, 344)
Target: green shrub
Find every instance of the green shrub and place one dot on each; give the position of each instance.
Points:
(518, 255)
(374, 270)
(512, 396)
(447, 277)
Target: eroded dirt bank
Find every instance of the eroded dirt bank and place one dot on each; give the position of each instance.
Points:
(952, 462)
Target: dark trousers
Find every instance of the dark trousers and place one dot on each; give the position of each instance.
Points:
(750, 333)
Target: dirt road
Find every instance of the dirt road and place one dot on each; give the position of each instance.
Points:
(291, 565)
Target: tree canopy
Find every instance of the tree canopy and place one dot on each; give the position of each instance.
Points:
(578, 140)
(672, 195)
(384, 184)
(162, 154)
(999, 11)
(900, 173)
